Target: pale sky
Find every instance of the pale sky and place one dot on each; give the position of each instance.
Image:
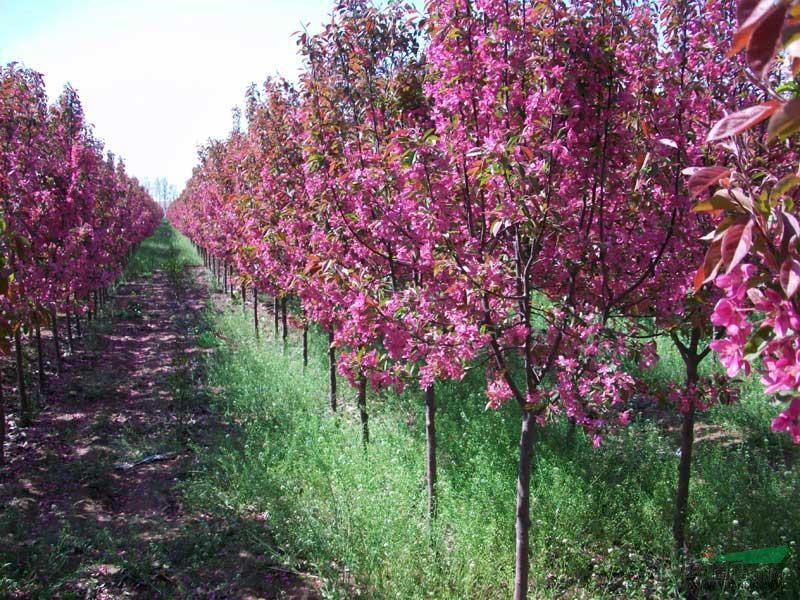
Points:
(157, 78)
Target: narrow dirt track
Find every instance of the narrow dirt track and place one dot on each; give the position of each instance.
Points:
(108, 530)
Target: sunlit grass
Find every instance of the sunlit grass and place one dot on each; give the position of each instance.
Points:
(601, 518)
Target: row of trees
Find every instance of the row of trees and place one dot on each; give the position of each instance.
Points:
(69, 217)
(497, 182)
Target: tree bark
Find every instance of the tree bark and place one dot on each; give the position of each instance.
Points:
(332, 370)
(40, 356)
(305, 345)
(230, 279)
(26, 410)
(70, 341)
(523, 519)
(56, 340)
(2, 425)
(685, 464)
(276, 309)
(362, 408)
(244, 299)
(224, 277)
(285, 324)
(430, 436)
(255, 312)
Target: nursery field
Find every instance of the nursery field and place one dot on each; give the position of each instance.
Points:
(485, 299)
(268, 493)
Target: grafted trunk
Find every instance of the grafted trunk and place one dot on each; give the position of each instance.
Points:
(332, 370)
(56, 339)
(362, 408)
(26, 410)
(430, 437)
(255, 312)
(40, 356)
(685, 464)
(527, 439)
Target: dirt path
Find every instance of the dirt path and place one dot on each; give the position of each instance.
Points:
(77, 520)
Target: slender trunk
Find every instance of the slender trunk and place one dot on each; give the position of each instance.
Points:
(305, 345)
(255, 311)
(40, 356)
(224, 277)
(277, 314)
(230, 279)
(332, 369)
(685, 464)
(96, 303)
(2, 425)
(244, 299)
(430, 436)
(285, 325)
(362, 408)
(70, 341)
(527, 439)
(78, 324)
(26, 410)
(56, 340)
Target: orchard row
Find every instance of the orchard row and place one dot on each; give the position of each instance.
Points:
(69, 216)
(524, 186)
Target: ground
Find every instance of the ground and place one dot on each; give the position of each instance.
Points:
(78, 517)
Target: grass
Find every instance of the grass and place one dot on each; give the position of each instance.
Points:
(286, 480)
(601, 518)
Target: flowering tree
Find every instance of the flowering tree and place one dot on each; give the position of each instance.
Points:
(753, 254)
(69, 216)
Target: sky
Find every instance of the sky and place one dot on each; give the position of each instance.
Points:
(157, 78)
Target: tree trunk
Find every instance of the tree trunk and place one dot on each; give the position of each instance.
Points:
(527, 439)
(277, 314)
(430, 436)
(332, 370)
(685, 464)
(224, 277)
(70, 341)
(362, 408)
(230, 279)
(2, 425)
(78, 324)
(305, 345)
(40, 356)
(244, 299)
(255, 311)
(283, 321)
(26, 410)
(56, 340)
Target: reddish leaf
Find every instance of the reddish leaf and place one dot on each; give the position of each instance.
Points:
(790, 276)
(764, 41)
(710, 266)
(705, 177)
(742, 120)
(737, 242)
(749, 14)
(785, 121)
